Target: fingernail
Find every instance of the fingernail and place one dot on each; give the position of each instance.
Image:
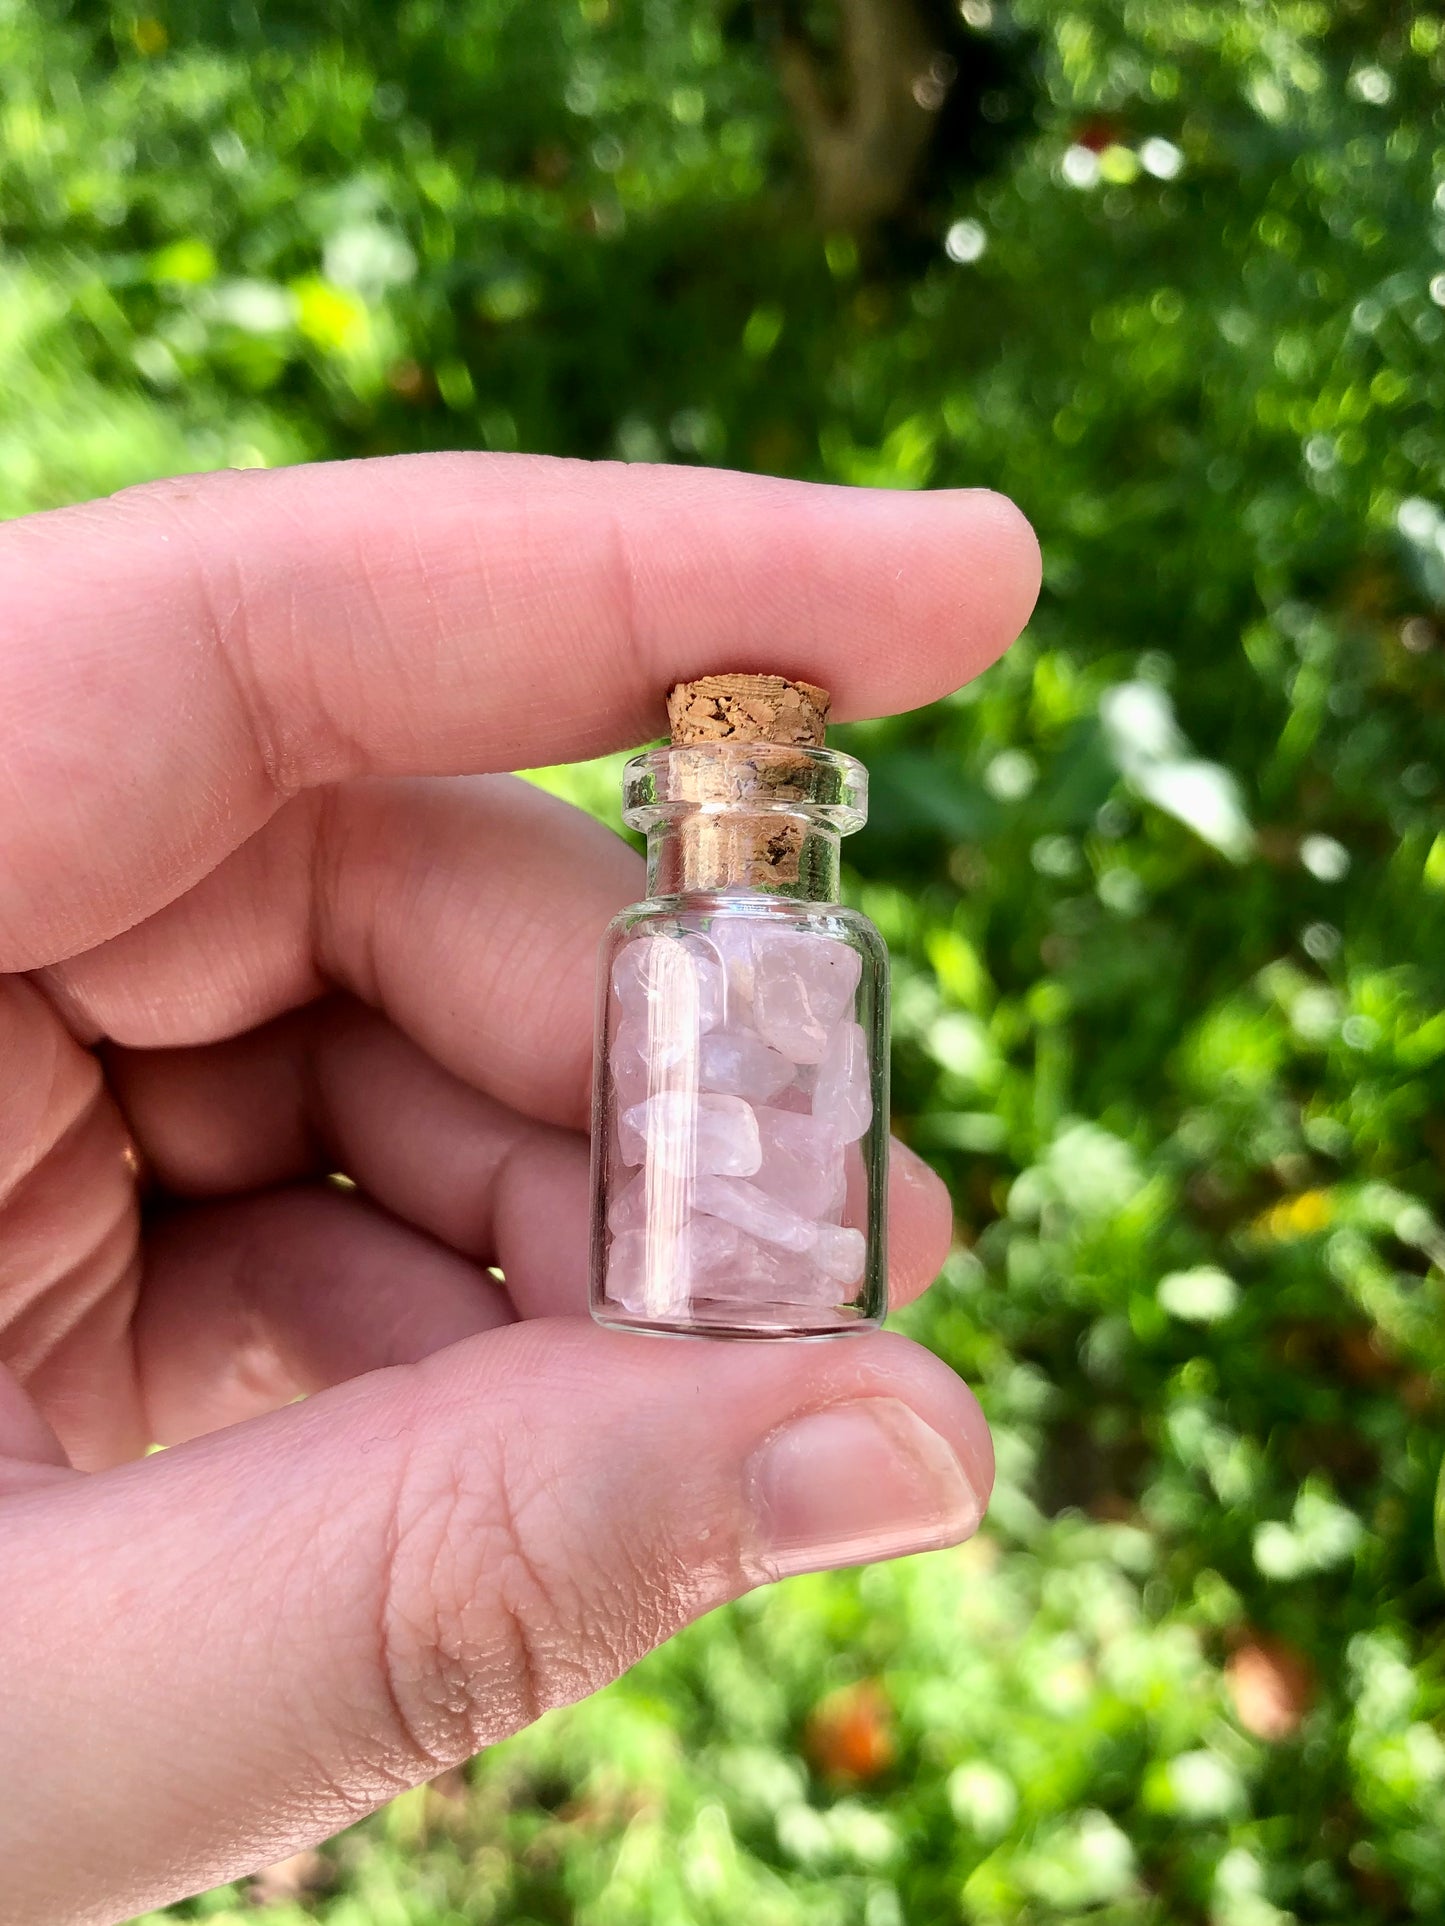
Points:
(857, 1483)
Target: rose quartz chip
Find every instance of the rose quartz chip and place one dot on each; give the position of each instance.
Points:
(839, 1253)
(644, 1062)
(753, 1211)
(644, 1276)
(801, 1282)
(678, 1132)
(712, 1248)
(730, 940)
(794, 1098)
(711, 977)
(655, 1200)
(668, 985)
(801, 1162)
(627, 1059)
(628, 1209)
(740, 1064)
(802, 985)
(842, 1102)
(652, 1274)
(761, 1273)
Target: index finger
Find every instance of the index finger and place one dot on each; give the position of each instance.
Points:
(184, 656)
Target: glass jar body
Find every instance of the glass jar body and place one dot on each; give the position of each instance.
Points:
(740, 1118)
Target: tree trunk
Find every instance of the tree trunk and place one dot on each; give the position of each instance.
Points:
(866, 127)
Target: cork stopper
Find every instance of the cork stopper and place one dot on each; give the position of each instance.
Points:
(759, 847)
(748, 708)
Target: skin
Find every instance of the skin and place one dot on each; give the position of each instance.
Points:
(260, 920)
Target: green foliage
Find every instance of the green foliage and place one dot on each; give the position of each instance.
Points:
(1165, 889)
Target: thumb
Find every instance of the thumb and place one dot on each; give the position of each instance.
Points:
(275, 1628)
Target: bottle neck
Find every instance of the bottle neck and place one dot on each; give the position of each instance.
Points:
(777, 854)
(758, 817)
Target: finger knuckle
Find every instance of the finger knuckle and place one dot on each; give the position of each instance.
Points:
(484, 1622)
(203, 524)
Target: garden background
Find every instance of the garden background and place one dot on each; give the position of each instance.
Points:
(1165, 889)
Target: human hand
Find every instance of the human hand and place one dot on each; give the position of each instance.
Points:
(247, 939)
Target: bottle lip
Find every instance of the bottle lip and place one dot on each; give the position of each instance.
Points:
(751, 778)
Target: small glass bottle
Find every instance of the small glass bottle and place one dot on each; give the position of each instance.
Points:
(740, 1109)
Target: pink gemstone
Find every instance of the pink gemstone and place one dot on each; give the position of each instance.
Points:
(644, 1275)
(741, 1065)
(628, 1209)
(668, 1059)
(795, 1097)
(804, 1284)
(839, 1253)
(842, 1101)
(655, 1200)
(668, 985)
(803, 983)
(712, 980)
(836, 1209)
(730, 940)
(762, 1273)
(627, 1060)
(755, 1212)
(678, 1132)
(801, 1162)
(712, 1250)
(655, 1275)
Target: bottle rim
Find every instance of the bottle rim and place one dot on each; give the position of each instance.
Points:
(826, 786)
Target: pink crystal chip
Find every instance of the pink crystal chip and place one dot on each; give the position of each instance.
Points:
(729, 942)
(627, 1210)
(763, 1273)
(668, 984)
(753, 1211)
(627, 1060)
(802, 985)
(840, 1252)
(739, 1063)
(842, 1101)
(644, 1274)
(801, 1161)
(652, 1274)
(682, 1133)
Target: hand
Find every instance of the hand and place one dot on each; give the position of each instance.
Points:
(245, 947)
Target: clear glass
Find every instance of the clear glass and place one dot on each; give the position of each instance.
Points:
(740, 1112)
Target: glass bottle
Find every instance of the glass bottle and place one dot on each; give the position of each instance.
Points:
(740, 1111)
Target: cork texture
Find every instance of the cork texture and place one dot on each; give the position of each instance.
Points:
(748, 708)
(756, 847)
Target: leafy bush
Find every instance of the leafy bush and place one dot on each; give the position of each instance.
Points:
(1165, 889)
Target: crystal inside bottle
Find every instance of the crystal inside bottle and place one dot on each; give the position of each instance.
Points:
(740, 1122)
